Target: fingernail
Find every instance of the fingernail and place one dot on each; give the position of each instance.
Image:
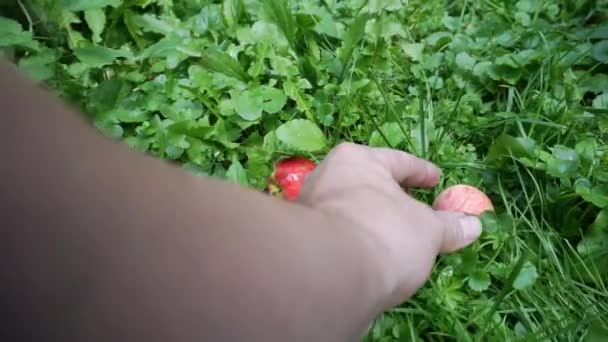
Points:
(471, 227)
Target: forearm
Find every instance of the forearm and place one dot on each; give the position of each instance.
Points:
(106, 244)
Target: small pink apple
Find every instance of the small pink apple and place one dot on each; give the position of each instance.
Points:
(463, 198)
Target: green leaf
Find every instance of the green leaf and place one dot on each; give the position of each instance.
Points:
(193, 129)
(271, 142)
(413, 50)
(209, 19)
(138, 143)
(465, 61)
(391, 131)
(596, 83)
(110, 129)
(153, 23)
(493, 223)
(296, 92)
(601, 221)
(483, 70)
(232, 10)
(520, 330)
(273, 99)
(83, 5)
(529, 6)
(163, 48)
(39, 67)
(129, 115)
(507, 39)
(237, 174)
(470, 260)
(600, 32)
(12, 34)
(182, 110)
(218, 61)
(98, 56)
(302, 135)
(388, 27)
(262, 33)
(108, 94)
(279, 13)
(526, 277)
(375, 6)
(523, 18)
(596, 194)
(506, 73)
(600, 51)
(96, 19)
(489, 222)
(595, 242)
(601, 101)
(506, 145)
(435, 82)
(248, 104)
(258, 166)
(479, 281)
(352, 37)
(438, 39)
(200, 77)
(306, 22)
(284, 66)
(587, 149)
(564, 162)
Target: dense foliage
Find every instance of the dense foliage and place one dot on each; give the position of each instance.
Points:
(510, 96)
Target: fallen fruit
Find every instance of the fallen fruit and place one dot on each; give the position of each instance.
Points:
(288, 176)
(463, 198)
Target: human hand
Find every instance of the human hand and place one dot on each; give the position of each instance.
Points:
(366, 187)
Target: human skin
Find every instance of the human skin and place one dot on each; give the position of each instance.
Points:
(102, 243)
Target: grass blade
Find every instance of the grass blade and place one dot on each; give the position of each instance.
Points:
(352, 37)
(279, 13)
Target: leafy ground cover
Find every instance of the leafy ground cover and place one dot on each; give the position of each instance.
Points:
(509, 96)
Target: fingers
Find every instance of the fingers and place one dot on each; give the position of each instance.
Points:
(405, 168)
(458, 230)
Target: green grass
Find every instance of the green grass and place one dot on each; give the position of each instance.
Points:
(509, 96)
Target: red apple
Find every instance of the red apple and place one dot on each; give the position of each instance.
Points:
(288, 177)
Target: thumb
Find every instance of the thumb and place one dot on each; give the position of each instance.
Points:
(459, 230)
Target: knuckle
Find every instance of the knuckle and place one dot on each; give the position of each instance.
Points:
(437, 227)
(345, 149)
(437, 222)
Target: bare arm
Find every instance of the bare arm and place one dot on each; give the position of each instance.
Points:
(101, 243)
